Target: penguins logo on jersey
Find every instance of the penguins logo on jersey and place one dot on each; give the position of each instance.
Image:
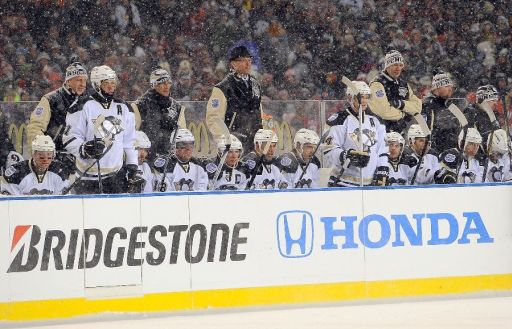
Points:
(368, 137)
(402, 91)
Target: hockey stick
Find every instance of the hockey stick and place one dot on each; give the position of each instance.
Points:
(226, 134)
(350, 85)
(254, 172)
(492, 118)
(162, 187)
(424, 127)
(457, 113)
(304, 170)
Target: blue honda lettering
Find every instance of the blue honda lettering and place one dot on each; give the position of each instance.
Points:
(474, 217)
(414, 237)
(385, 232)
(434, 228)
(330, 232)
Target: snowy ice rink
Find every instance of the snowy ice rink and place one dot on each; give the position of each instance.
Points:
(495, 312)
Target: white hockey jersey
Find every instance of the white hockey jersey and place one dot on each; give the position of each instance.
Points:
(292, 169)
(400, 173)
(229, 178)
(428, 167)
(20, 179)
(471, 171)
(148, 175)
(80, 129)
(268, 176)
(180, 176)
(344, 135)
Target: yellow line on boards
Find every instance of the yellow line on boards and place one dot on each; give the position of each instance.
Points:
(179, 301)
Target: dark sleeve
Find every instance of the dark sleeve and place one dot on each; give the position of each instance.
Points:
(5, 143)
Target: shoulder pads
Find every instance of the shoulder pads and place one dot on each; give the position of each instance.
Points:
(250, 160)
(159, 164)
(287, 162)
(15, 173)
(337, 118)
(57, 168)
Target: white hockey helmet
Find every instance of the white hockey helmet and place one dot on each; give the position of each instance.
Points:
(43, 143)
(499, 141)
(305, 136)
(184, 136)
(142, 141)
(414, 132)
(158, 76)
(265, 135)
(362, 88)
(101, 73)
(486, 93)
(235, 143)
(472, 136)
(394, 137)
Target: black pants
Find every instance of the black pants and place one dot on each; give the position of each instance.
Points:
(111, 185)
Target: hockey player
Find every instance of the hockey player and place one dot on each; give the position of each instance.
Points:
(159, 113)
(143, 145)
(293, 164)
(392, 98)
(183, 172)
(233, 175)
(49, 116)
(99, 135)
(429, 163)
(401, 165)
(355, 144)
(472, 166)
(499, 169)
(263, 171)
(37, 176)
(444, 125)
(486, 96)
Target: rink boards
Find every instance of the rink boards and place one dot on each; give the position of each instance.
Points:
(69, 256)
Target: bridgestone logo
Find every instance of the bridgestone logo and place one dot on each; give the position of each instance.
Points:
(158, 245)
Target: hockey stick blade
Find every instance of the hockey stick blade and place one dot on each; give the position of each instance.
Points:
(454, 109)
(226, 134)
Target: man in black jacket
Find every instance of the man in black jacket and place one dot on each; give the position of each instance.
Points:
(236, 100)
(486, 96)
(444, 125)
(8, 155)
(159, 113)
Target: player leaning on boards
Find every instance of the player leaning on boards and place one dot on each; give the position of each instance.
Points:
(99, 135)
(159, 113)
(233, 174)
(181, 171)
(49, 116)
(401, 165)
(355, 143)
(236, 100)
(38, 176)
(143, 147)
(392, 98)
(301, 167)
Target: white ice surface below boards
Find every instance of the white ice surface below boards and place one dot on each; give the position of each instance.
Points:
(495, 312)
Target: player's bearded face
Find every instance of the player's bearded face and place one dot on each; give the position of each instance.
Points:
(232, 158)
(109, 86)
(271, 150)
(419, 145)
(78, 84)
(471, 149)
(42, 160)
(395, 70)
(364, 102)
(184, 152)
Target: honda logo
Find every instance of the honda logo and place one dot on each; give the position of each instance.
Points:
(295, 233)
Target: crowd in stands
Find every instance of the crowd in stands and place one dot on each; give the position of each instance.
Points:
(301, 48)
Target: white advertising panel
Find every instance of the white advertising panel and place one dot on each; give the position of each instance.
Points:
(113, 242)
(276, 239)
(166, 220)
(44, 249)
(4, 250)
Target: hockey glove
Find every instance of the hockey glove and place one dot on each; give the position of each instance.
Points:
(397, 103)
(496, 174)
(357, 159)
(450, 158)
(409, 160)
(92, 149)
(380, 177)
(134, 180)
(445, 176)
(12, 158)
